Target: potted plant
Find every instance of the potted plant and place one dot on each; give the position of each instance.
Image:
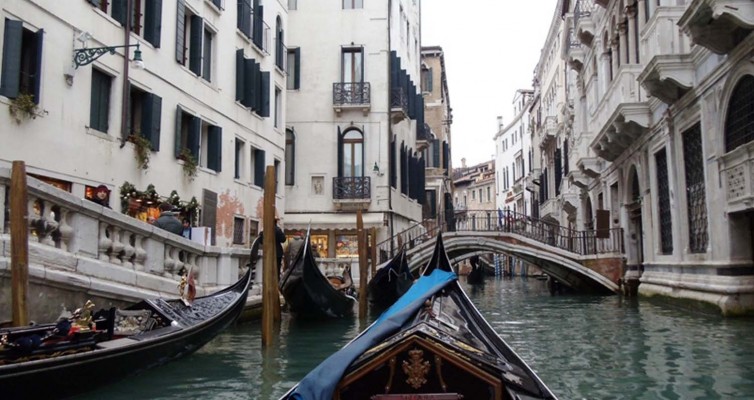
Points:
(189, 164)
(23, 107)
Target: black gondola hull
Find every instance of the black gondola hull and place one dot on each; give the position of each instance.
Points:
(389, 283)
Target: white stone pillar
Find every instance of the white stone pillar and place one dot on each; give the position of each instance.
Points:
(632, 44)
(622, 43)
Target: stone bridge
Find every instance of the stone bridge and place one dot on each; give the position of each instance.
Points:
(587, 261)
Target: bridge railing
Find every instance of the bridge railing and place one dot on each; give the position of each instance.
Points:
(587, 242)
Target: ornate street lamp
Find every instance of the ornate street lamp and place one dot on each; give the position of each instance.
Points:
(87, 56)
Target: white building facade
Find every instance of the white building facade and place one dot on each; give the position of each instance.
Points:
(201, 120)
(513, 155)
(354, 112)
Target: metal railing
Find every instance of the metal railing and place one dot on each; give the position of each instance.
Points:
(399, 99)
(281, 56)
(587, 242)
(260, 34)
(351, 93)
(582, 9)
(351, 187)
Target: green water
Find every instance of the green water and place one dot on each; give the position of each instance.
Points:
(583, 347)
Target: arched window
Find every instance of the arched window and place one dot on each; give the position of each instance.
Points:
(352, 153)
(279, 46)
(739, 122)
(290, 156)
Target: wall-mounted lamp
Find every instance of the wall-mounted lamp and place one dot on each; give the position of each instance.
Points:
(376, 169)
(87, 56)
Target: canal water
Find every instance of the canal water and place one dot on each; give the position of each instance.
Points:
(583, 347)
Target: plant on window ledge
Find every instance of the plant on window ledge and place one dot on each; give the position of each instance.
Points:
(23, 107)
(189, 164)
(143, 148)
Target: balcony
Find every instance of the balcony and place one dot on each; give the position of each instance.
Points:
(718, 25)
(352, 192)
(737, 169)
(668, 77)
(260, 35)
(398, 105)
(550, 208)
(571, 200)
(351, 95)
(549, 131)
(578, 178)
(590, 166)
(583, 23)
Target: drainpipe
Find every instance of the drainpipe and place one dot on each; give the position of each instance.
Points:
(389, 130)
(126, 84)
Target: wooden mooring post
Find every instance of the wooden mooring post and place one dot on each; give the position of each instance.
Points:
(19, 244)
(362, 237)
(373, 245)
(270, 296)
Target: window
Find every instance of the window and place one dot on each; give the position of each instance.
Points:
(740, 117)
(100, 101)
(695, 189)
(293, 80)
(663, 200)
(290, 157)
(144, 116)
(351, 154)
(193, 42)
(280, 52)
(473, 195)
(426, 79)
(22, 61)
(276, 164)
(252, 85)
(292, 5)
(253, 229)
(238, 230)
(352, 65)
(278, 108)
(146, 16)
(238, 167)
(250, 21)
(257, 167)
(351, 4)
(210, 148)
(489, 195)
(198, 139)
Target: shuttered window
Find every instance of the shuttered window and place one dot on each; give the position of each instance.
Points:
(187, 134)
(257, 165)
(290, 157)
(22, 61)
(99, 108)
(294, 69)
(146, 16)
(252, 85)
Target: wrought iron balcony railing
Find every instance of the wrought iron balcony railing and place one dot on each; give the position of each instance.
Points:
(351, 93)
(398, 99)
(352, 188)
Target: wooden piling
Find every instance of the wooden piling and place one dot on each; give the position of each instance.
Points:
(373, 245)
(362, 236)
(270, 296)
(19, 244)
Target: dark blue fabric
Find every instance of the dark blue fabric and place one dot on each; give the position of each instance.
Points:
(320, 383)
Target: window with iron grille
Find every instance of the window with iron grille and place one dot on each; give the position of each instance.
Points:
(238, 230)
(739, 123)
(663, 199)
(695, 191)
(253, 229)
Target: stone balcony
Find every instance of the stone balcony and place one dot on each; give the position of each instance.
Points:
(549, 131)
(583, 21)
(668, 77)
(718, 25)
(737, 170)
(550, 208)
(590, 166)
(578, 178)
(622, 115)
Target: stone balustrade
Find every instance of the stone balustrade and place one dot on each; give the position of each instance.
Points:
(82, 247)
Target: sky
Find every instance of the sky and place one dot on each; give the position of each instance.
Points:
(491, 48)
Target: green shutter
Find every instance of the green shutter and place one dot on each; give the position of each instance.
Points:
(150, 119)
(195, 50)
(265, 111)
(340, 153)
(100, 101)
(194, 137)
(248, 83)
(94, 106)
(258, 27)
(214, 148)
(119, 11)
(259, 163)
(95, 3)
(239, 75)
(153, 22)
(178, 147)
(9, 83)
(38, 40)
(180, 32)
(297, 68)
(243, 20)
(430, 76)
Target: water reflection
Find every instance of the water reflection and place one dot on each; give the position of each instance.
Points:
(583, 347)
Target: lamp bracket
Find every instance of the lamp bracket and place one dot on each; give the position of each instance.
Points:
(87, 56)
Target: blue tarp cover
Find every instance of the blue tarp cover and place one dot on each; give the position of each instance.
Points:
(320, 383)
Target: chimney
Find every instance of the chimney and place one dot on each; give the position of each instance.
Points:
(499, 123)
(463, 162)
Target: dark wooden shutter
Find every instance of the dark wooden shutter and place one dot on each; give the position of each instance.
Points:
(194, 137)
(195, 50)
(150, 119)
(558, 171)
(248, 83)
(178, 131)
(436, 153)
(214, 151)
(258, 27)
(218, 3)
(119, 11)
(95, 3)
(265, 111)
(297, 70)
(9, 83)
(243, 19)
(209, 211)
(239, 75)
(565, 157)
(340, 154)
(392, 160)
(259, 163)
(603, 224)
(38, 40)
(100, 101)
(180, 33)
(256, 83)
(153, 22)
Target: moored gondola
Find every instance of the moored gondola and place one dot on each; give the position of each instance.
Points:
(308, 292)
(476, 275)
(91, 349)
(431, 344)
(390, 282)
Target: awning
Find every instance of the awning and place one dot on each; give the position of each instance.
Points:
(330, 221)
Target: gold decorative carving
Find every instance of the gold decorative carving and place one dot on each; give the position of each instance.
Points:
(416, 368)
(389, 384)
(438, 368)
(82, 317)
